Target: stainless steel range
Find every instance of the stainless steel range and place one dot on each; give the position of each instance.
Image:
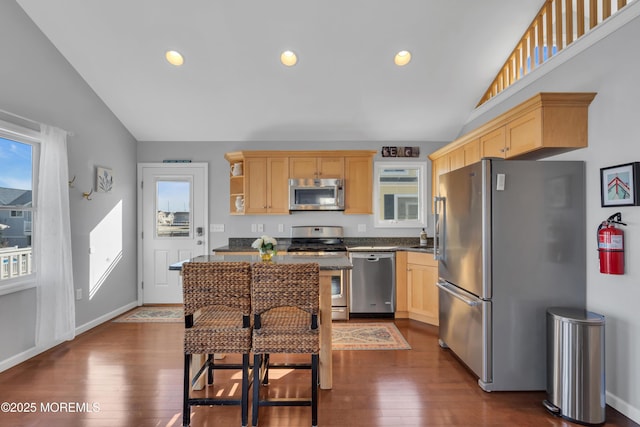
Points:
(325, 241)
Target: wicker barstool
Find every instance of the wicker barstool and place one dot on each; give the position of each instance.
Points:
(285, 305)
(217, 316)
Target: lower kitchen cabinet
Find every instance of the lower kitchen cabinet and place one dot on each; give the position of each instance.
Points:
(416, 290)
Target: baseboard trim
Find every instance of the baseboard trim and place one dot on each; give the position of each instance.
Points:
(624, 407)
(34, 351)
(105, 317)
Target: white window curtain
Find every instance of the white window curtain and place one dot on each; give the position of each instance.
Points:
(52, 246)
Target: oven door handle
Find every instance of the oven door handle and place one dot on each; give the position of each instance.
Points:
(451, 290)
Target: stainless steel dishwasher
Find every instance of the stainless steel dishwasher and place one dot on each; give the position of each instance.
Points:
(372, 284)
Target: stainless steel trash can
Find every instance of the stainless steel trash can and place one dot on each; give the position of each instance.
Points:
(575, 365)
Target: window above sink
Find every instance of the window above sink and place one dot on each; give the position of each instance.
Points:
(400, 194)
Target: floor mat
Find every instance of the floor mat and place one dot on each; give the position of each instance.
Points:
(167, 314)
(368, 336)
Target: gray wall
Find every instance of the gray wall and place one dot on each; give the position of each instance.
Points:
(38, 83)
(240, 226)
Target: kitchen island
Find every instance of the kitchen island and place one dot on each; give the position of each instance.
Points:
(327, 264)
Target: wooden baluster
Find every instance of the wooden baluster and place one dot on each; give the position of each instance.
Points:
(606, 9)
(540, 39)
(593, 13)
(532, 45)
(580, 17)
(549, 26)
(568, 14)
(559, 32)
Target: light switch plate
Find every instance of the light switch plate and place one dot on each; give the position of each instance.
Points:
(280, 228)
(217, 228)
(254, 227)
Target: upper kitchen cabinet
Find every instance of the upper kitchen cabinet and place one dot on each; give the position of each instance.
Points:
(316, 167)
(267, 191)
(544, 125)
(258, 183)
(358, 183)
(259, 180)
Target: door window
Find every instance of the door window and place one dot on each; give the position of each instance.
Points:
(173, 208)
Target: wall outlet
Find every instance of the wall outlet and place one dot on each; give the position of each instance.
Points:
(217, 228)
(362, 228)
(260, 228)
(78, 294)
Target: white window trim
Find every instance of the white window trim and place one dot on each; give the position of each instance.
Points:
(422, 195)
(32, 137)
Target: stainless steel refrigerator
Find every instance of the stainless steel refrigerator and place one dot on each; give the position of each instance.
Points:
(510, 243)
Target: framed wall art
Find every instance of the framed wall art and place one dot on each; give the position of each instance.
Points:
(619, 185)
(104, 180)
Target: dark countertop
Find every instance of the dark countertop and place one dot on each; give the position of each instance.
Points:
(359, 244)
(326, 262)
(379, 248)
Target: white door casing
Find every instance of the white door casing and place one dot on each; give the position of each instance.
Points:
(172, 226)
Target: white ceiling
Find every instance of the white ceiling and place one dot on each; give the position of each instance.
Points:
(232, 86)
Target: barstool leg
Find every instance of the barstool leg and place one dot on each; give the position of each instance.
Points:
(186, 408)
(257, 362)
(314, 389)
(245, 389)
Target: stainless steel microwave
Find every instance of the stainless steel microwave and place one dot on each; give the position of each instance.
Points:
(316, 195)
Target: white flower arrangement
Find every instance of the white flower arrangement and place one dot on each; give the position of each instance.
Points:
(265, 244)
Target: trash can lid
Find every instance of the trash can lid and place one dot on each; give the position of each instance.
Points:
(576, 315)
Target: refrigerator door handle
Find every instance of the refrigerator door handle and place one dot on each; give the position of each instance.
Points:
(438, 253)
(448, 289)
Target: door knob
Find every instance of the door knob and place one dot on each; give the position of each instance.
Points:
(199, 242)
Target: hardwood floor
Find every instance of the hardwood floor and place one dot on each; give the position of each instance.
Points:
(130, 374)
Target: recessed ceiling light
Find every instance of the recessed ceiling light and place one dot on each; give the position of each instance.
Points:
(402, 58)
(288, 58)
(174, 58)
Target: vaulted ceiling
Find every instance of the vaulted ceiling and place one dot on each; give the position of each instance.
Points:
(232, 86)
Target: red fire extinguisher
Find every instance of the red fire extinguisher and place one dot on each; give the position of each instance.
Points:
(611, 245)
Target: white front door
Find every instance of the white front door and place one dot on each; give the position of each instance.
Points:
(172, 220)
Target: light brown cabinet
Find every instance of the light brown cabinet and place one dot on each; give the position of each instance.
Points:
(544, 125)
(358, 183)
(416, 290)
(472, 152)
(267, 189)
(439, 166)
(317, 167)
(494, 143)
(264, 185)
(520, 136)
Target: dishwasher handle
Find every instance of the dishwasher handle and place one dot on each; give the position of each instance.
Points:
(448, 288)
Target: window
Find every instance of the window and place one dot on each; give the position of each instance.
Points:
(18, 154)
(400, 194)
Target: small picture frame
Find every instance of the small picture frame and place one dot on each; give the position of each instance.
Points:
(619, 185)
(104, 180)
